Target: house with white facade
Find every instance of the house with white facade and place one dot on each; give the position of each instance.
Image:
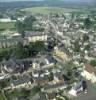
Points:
(89, 72)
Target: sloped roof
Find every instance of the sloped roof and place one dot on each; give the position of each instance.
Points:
(33, 33)
(23, 79)
(90, 68)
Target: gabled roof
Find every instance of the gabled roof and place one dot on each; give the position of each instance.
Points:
(54, 86)
(51, 96)
(33, 33)
(23, 79)
(41, 79)
(89, 68)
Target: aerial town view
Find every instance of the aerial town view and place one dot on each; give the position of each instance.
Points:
(47, 49)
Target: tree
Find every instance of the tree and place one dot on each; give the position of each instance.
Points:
(93, 63)
(94, 27)
(1, 15)
(87, 47)
(19, 51)
(13, 17)
(35, 48)
(20, 27)
(51, 77)
(87, 23)
(28, 22)
(85, 37)
(77, 46)
(70, 69)
(34, 91)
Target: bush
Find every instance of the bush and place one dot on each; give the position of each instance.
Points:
(93, 63)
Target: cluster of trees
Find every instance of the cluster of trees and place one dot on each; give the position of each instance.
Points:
(21, 51)
(27, 24)
(51, 44)
(88, 23)
(29, 50)
(6, 53)
(4, 83)
(70, 69)
(23, 94)
(77, 45)
(85, 38)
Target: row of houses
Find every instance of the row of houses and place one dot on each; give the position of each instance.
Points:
(28, 37)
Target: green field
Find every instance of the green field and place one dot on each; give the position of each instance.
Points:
(47, 10)
(2, 96)
(7, 25)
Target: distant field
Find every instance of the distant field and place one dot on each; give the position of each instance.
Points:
(7, 25)
(46, 10)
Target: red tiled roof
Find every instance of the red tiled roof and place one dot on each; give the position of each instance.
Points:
(51, 96)
(90, 68)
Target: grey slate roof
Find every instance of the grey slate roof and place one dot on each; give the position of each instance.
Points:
(23, 79)
(54, 86)
(32, 33)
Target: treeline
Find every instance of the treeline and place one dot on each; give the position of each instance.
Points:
(59, 3)
(20, 4)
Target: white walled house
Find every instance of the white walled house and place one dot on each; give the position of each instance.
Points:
(89, 73)
(35, 36)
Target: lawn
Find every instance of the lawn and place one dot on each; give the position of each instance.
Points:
(47, 10)
(2, 96)
(7, 25)
(17, 93)
(22, 93)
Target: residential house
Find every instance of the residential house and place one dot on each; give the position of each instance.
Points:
(15, 65)
(54, 87)
(22, 81)
(35, 36)
(43, 62)
(78, 87)
(28, 37)
(9, 66)
(57, 83)
(89, 72)
(41, 80)
(41, 77)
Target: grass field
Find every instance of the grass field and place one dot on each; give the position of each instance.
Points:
(47, 10)
(2, 96)
(7, 25)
